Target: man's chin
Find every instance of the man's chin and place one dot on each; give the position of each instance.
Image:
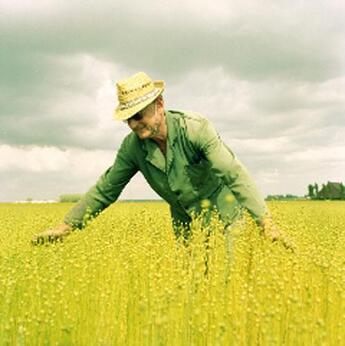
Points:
(143, 134)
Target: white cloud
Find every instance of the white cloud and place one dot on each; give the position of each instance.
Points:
(264, 146)
(71, 161)
(89, 78)
(71, 170)
(269, 177)
(335, 154)
(212, 92)
(28, 7)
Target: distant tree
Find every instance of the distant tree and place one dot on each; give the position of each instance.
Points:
(316, 190)
(70, 198)
(29, 199)
(342, 187)
(329, 191)
(287, 197)
(311, 191)
(323, 192)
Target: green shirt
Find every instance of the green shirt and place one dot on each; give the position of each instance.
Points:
(198, 166)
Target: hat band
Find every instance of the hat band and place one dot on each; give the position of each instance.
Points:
(138, 100)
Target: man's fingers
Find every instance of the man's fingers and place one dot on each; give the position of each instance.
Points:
(273, 236)
(37, 241)
(40, 240)
(276, 237)
(288, 244)
(51, 238)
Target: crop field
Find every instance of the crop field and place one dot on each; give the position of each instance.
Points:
(126, 280)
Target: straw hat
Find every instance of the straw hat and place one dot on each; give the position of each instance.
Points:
(135, 93)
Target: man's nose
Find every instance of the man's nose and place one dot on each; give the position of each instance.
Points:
(131, 122)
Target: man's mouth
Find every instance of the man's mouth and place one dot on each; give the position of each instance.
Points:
(141, 128)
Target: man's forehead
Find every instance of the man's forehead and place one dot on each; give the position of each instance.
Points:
(147, 108)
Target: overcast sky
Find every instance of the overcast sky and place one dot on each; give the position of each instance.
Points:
(270, 75)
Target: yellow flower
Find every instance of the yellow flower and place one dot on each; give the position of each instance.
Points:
(205, 203)
(229, 198)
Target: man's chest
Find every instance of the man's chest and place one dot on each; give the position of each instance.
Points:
(178, 168)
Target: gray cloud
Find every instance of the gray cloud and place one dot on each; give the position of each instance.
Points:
(292, 41)
(265, 73)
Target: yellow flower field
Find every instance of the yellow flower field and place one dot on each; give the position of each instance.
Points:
(125, 280)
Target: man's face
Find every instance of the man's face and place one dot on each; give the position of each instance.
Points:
(146, 123)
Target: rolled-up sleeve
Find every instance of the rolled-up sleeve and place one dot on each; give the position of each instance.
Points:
(226, 165)
(106, 190)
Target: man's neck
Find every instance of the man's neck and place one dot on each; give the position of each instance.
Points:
(162, 136)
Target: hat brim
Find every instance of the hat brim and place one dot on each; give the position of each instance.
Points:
(124, 114)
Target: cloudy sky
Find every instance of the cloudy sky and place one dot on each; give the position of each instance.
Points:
(269, 74)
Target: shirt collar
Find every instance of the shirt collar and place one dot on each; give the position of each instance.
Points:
(172, 131)
(154, 154)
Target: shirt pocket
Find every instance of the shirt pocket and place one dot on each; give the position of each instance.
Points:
(198, 173)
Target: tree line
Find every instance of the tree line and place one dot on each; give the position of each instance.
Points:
(331, 190)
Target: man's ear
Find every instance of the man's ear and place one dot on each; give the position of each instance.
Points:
(160, 101)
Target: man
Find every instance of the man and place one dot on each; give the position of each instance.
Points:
(183, 159)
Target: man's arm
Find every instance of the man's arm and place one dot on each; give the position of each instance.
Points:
(100, 196)
(231, 170)
(226, 165)
(103, 193)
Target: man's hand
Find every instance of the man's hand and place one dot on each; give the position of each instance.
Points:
(52, 235)
(273, 233)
